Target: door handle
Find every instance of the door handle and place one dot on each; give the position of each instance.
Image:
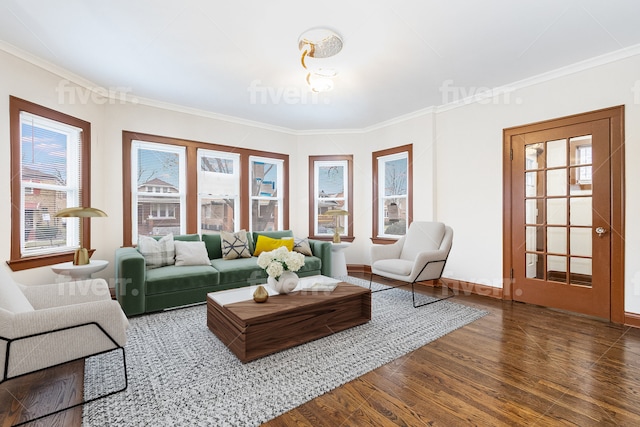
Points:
(600, 231)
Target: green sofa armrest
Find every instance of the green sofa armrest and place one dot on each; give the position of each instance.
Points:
(130, 280)
(322, 250)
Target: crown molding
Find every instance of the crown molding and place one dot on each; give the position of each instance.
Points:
(574, 68)
(120, 97)
(211, 115)
(479, 97)
(45, 65)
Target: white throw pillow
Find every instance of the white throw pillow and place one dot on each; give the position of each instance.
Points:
(157, 253)
(191, 253)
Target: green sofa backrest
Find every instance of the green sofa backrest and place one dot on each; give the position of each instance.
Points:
(213, 243)
(182, 237)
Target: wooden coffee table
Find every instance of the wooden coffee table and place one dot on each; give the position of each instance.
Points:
(253, 330)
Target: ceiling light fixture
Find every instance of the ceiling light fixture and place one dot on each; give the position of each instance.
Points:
(319, 43)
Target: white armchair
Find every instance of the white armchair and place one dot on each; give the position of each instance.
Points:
(47, 325)
(419, 255)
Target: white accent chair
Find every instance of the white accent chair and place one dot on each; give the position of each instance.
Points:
(43, 326)
(419, 255)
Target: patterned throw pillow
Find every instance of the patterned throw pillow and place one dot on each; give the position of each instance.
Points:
(157, 253)
(234, 245)
(302, 246)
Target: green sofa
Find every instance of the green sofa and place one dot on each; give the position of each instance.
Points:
(143, 291)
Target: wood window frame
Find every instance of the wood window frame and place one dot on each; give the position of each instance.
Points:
(375, 202)
(312, 186)
(16, 106)
(192, 179)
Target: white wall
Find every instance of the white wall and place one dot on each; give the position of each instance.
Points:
(32, 83)
(108, 119)
(457, 160)
(416, 131)
(469, 152)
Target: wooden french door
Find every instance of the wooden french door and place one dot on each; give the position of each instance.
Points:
(561, 214)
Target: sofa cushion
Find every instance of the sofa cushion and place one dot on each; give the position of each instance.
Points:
(174, 278)
(311, 263)
(235, 245)
(213, 242)
(187, 237)
(267, 244)
(191, 253)
(157, 252)
(239, 270)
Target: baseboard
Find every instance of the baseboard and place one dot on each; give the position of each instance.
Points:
(469, 288)
(458, 286)
(358, 268)
(632, 319)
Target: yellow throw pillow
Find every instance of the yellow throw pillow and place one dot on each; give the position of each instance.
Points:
(266, 244)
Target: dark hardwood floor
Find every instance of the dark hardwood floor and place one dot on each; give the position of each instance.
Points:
(43, 392)
(519, 365)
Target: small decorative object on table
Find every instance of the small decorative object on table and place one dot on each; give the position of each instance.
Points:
(280, 265)
(261, 294)
(337, 229)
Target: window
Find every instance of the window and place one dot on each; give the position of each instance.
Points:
(158, 194)
(265, 189)
(330, 188)
(172, 185)
(218, 191)
(49, 162)
(392, 183)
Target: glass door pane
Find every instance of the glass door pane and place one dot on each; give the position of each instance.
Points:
(558, 210)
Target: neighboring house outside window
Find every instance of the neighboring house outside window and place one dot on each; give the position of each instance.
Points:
(178, 186)
(330, 188)
(392, 193)
(158, 196)
(218, 191)
(266, 194)
(50, 155)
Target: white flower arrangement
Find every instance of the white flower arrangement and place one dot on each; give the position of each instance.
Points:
(280, 260)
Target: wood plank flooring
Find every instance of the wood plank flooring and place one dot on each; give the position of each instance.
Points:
(519, 365)
(43, 392)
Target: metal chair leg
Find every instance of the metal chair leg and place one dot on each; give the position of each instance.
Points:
(413, 291)
(413, 296)
(385, 289)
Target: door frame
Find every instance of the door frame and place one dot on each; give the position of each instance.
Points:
(615, 115)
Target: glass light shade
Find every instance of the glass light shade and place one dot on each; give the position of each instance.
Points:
(320, 42)
(319, 83)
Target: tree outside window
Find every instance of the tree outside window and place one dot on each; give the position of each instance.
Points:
(330, 189)
(392, 196)
(50, 154)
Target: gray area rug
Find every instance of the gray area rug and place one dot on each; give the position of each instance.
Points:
(180, 374)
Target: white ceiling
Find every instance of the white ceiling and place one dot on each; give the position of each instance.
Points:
(397, 55)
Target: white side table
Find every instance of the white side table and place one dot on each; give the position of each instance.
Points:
(338, 260)
(80, 272)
